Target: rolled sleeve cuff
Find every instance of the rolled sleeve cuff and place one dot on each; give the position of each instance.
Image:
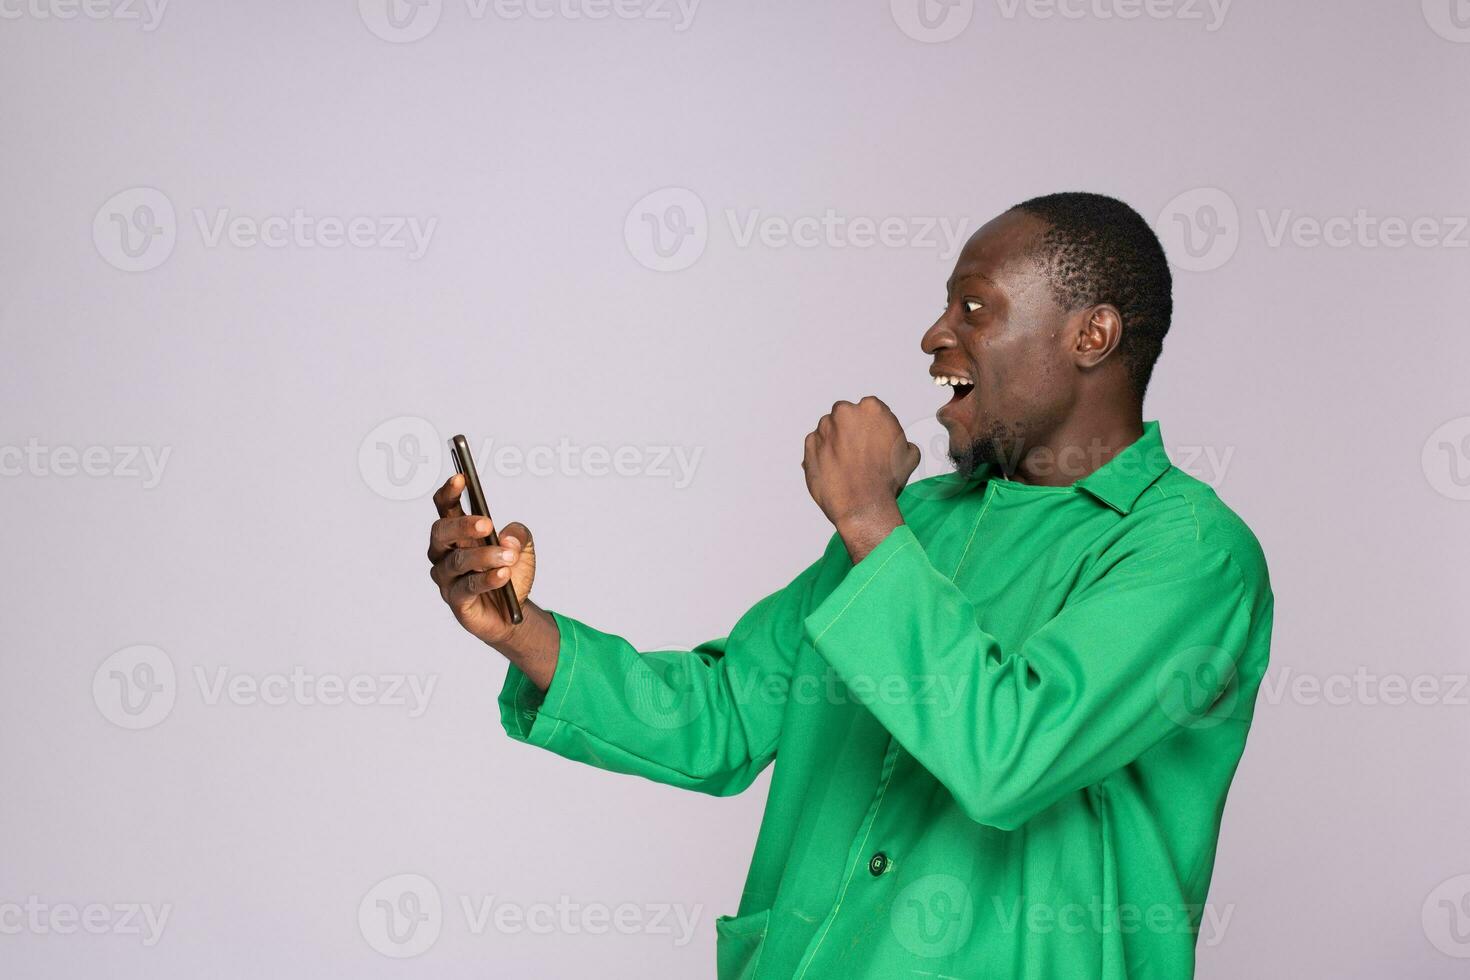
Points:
(526, 713)
(881, 568)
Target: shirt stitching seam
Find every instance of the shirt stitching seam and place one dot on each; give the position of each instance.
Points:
(576, 645)
(973, 531)
(818, 638)
(1193, 511)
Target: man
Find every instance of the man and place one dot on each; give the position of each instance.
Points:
(1006, 704)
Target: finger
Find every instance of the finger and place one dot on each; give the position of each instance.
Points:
(457, 532)
(517, 537)
(468, 588)
(446, 498)
(461, 561)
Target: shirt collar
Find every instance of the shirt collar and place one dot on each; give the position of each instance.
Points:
(1122, 480)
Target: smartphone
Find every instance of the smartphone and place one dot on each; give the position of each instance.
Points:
(464, 463)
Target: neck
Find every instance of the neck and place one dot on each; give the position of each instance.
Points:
(1081, 444)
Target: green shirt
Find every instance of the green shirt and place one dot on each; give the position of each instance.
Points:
(1003, 739)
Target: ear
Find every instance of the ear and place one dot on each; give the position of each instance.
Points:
(1099, 331)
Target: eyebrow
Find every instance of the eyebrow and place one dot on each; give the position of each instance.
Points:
(950, 283)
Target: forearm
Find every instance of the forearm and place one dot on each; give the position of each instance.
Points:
(532, 645)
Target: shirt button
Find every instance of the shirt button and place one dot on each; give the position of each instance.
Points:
(878, 864)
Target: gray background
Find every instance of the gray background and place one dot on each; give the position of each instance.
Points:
(1319, 387)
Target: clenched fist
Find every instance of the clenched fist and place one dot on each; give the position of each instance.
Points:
(856, 461)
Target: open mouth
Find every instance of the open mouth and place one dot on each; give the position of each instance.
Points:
(959, 385)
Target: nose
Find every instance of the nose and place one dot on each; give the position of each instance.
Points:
(938, 337)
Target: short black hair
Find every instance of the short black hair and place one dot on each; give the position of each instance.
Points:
(1099, 250)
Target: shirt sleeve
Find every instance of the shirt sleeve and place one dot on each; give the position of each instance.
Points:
(706, 719)
(1146, 649)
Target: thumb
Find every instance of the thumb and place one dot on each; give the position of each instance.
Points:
(515, 535)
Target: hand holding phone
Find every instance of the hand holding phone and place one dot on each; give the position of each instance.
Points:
(483, 575)
(464, 463)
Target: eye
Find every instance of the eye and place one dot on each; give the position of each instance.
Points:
(973, 305)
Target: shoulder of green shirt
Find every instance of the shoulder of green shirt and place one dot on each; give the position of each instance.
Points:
(1217, 526)
(1175, 506)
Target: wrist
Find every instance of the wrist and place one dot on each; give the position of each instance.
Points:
(532, 645)
(863, 530)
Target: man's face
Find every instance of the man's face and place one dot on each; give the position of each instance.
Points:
(1003, 330)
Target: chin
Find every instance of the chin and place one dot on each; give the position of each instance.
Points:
(968, 452)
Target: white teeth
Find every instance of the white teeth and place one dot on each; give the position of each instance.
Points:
(943, 379)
